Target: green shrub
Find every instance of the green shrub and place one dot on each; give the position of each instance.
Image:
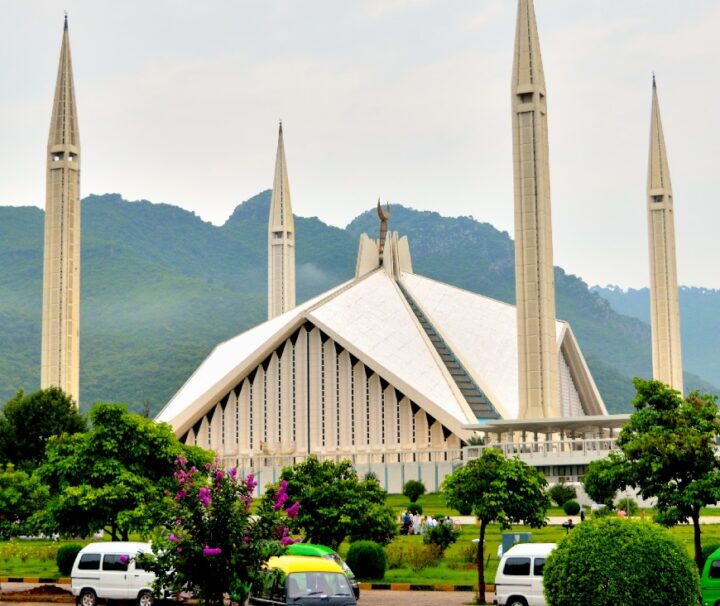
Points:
(463, 556)
(413, 490)
(632, 561)
(571, 508)
(65, 558)
(465, 510)
(629, 505)
(419, 557)
(443, 535)
(366, 559)
(561, 493)
(395, 556)
(414, 508)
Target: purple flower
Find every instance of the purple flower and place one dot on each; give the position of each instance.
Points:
(233, 473)
(211, 551)
(178, 522)
(193, 469)
(285, 541)
(219, 476)
(281, 496)
(250, 482)
(292, 511)
(204, 496)
(173, 538)
(207, 465)
(181, 494)
(178, 550)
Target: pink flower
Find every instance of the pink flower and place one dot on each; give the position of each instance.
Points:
(181, 494)
(204, 496)
(173, 538)
(193, 469)
(292, 511)
(211, 551)
(219, 476)
(250, 482)
(178, 522)
(281, 496)
(207, 465)
(233, 473)
(178, 549)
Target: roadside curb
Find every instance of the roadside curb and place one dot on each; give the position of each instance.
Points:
(52, 581)
(419, 587)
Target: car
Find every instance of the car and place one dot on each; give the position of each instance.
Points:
(518, 581)
(305, 580)
(109, 571)
(710, 580)
(321, 551)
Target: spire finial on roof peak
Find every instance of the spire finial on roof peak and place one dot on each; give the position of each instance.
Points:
(65, 26)
(280, 130)
(653, 74)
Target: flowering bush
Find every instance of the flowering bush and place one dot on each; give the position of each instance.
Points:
(210, 545)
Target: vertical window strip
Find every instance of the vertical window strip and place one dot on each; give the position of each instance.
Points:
(397, 419)
(352, 404)
(367, 410)
(322, 392)
(294, 401)
(337, 400)
(237, 419)
(250, 415)
(209, 431)
(265, 408)
(222, 426)
(279, 400)
(382, 415)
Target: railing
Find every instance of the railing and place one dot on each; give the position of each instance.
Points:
(591, 447)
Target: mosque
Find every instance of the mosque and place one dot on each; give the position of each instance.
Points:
(400, 373)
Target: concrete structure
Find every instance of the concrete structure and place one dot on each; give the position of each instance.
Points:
(664, 306)
(60, 361)
(281, 240)
(389, 370)
(534, 278)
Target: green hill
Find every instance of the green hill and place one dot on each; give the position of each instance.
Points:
(161, 287)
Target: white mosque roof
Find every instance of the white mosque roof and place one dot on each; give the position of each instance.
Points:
(372, 319)
(481, 331)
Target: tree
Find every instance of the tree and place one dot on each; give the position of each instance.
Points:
(604, 478)
(611, 561)
(28, 421)
(413, 490)
(561, 493)
(668, 453)
(112, 477)
(506, 491)
(335, 504)
(209, 543)
(21, 497)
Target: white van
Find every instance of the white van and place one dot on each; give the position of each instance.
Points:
(518, 581)
(108, 571)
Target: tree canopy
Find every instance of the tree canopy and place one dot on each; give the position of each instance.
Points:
(335, 504)
(667, 453)
(28, 421)
(112, 477)
(496, 489)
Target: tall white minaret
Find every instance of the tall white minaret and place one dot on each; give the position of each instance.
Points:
(664, 306)
(281, 240)
(60, 361)
(534, 279)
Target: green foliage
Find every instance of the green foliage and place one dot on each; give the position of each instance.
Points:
(414, 508)
(65, 557)
(669, 446)
(561, 493)
(22, 498)
(113, 476)
(506, 491)
(335, 504)
(611, 561)
(604, 477)
(420, 557)
(442, 535)
(629, 506)
(413, 490)
(395, 555)
(366, 559)
(28, 421)
(209, 542)
(571, 508)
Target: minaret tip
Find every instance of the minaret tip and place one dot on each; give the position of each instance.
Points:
(653, 74)
(280, 131)
(65, 26)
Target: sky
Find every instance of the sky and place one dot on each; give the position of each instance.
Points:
(406, 100)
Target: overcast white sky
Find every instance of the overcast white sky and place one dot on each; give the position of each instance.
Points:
(404, 99)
